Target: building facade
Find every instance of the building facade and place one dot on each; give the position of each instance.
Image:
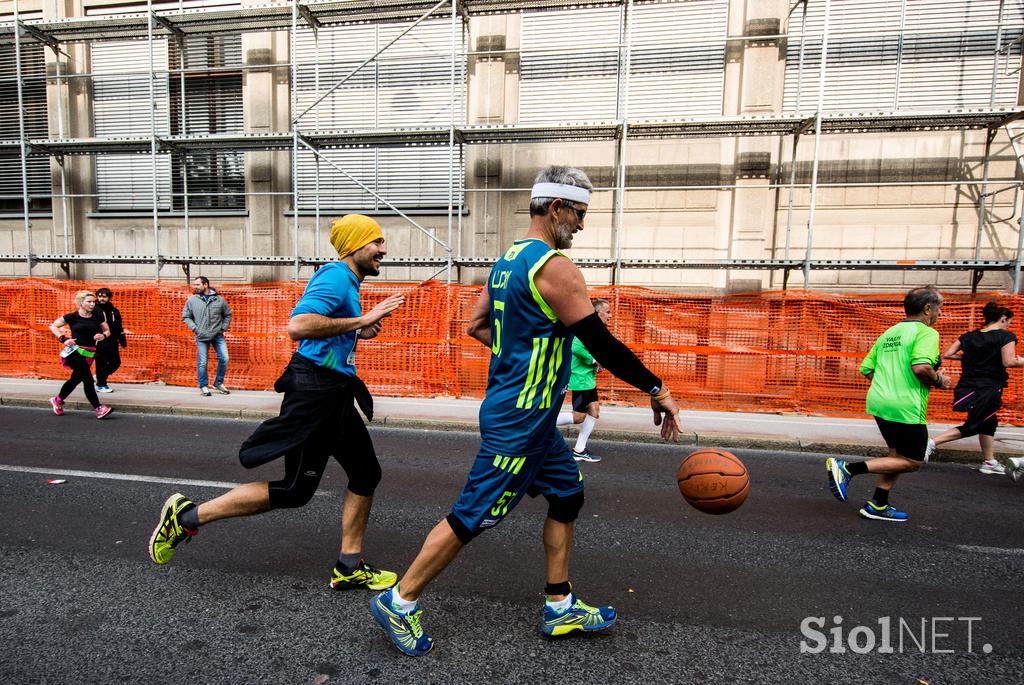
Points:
(224, 136)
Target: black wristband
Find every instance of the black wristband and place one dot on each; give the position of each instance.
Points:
(613, 355)
(63, 338)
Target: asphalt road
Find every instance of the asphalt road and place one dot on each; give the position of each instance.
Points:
(701, 598)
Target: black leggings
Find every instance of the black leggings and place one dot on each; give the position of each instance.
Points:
(351, 446)
(81, 372)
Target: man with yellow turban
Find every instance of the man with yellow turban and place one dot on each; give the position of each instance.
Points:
(318, 418)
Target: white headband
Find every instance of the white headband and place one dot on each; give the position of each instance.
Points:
(561, 191)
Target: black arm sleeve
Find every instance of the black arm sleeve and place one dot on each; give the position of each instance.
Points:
(613, 355)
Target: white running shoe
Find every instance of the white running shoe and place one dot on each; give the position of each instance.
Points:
(1015, 472)
(992, 468)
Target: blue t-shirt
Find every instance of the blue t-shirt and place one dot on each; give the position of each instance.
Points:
(333, 291)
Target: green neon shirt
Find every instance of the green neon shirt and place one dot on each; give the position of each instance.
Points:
(584, 368)
(896, 394)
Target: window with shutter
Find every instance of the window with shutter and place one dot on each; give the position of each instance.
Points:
(212, 82)
(213, 104)
(121, 108)
(33, 70)
(408, 85)
(943, 58)
(677, 59)
(569, 65)
(570, 62)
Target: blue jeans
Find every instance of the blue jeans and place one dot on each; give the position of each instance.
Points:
(220, 346)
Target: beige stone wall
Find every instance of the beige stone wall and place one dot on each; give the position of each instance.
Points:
(745, 219)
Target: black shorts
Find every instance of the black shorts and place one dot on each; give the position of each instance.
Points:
(982, 406)
(581, 399)
(910, 440)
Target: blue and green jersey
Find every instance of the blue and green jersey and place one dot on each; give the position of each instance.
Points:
(530, 355)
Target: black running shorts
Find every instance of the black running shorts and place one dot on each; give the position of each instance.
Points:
(910, 440)
(581, 399)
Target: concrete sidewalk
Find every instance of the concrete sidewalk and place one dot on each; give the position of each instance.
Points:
(702, 428)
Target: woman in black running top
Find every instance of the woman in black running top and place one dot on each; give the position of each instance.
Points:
(984, 354)
(88, 328)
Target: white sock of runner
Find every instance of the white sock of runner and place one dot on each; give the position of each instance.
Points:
(586, 428)
(560, 605)
(402, 606)
(564, 419)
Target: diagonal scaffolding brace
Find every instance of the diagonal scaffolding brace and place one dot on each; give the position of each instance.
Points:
(375, 55)
(376, 195)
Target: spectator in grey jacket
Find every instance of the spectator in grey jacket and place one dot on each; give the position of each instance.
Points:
(208, 315)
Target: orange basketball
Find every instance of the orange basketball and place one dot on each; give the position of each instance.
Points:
(713, 481)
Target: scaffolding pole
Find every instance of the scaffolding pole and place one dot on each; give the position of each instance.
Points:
(451, 143)
(1020, 245)
(316, 160)
(796, 135)
(151, 19)
(60, 135)
(995, 56)
(295, 136)
(622, 114)
(184, 156)
(22, 143)
(817, 147)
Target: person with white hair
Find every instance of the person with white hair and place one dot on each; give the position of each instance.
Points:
(534, 303)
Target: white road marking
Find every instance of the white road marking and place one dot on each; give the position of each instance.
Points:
(121, 476)
(991, 550)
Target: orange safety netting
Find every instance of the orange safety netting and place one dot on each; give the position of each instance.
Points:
(763, 352)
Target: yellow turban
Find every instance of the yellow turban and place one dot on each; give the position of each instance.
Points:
(353, 231)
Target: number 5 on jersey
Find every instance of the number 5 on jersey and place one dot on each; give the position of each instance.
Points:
(499, 306)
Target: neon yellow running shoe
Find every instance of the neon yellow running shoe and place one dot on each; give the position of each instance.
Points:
(169, 533)
(579, 616)
(362, 575)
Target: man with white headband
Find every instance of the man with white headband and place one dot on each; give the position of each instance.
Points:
(534, 303)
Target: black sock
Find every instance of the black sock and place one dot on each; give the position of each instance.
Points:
(881, 497)
(189, 518)
(857, 468)
(347, 562)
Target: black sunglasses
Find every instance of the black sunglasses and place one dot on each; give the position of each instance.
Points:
(580, 213)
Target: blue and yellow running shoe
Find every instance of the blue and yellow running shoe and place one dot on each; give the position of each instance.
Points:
(169, 533)
(579, 616)
(403, 629)
(362, 575)
(838, 477)
(882, 512)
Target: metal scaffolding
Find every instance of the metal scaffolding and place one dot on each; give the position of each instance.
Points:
(179, 25)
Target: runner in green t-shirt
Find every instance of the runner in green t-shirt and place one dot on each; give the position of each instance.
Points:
(586, 408)
(902, 366)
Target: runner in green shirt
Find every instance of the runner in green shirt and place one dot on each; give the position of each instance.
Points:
(586, 408)
(902, 366)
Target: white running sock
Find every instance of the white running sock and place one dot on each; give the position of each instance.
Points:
(560, 605)
(586, 428)
(564, 419)
(402, 606)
